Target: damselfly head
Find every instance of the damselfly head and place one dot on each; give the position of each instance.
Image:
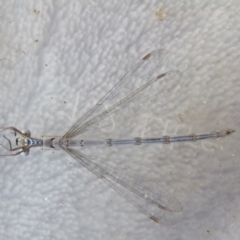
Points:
(14, 141)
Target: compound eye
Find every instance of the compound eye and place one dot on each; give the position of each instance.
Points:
(26, 132)
(25, 153)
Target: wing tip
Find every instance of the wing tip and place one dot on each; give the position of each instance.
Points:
(147, 56)
(154, 219)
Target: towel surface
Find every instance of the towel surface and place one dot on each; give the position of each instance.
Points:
(58, 58)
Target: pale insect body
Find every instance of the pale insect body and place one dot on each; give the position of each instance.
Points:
(144, 86)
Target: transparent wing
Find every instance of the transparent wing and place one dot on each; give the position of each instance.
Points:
(142, 86)
(156, 203)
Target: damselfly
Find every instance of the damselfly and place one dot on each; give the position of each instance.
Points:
(133, 94)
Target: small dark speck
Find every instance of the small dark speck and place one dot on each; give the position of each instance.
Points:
(208, 231)
(46, 65)
(36, 11)
(36, 40)
(65, 102)
(51, 97)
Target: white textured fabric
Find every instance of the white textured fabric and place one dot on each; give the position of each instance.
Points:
(59, 57)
